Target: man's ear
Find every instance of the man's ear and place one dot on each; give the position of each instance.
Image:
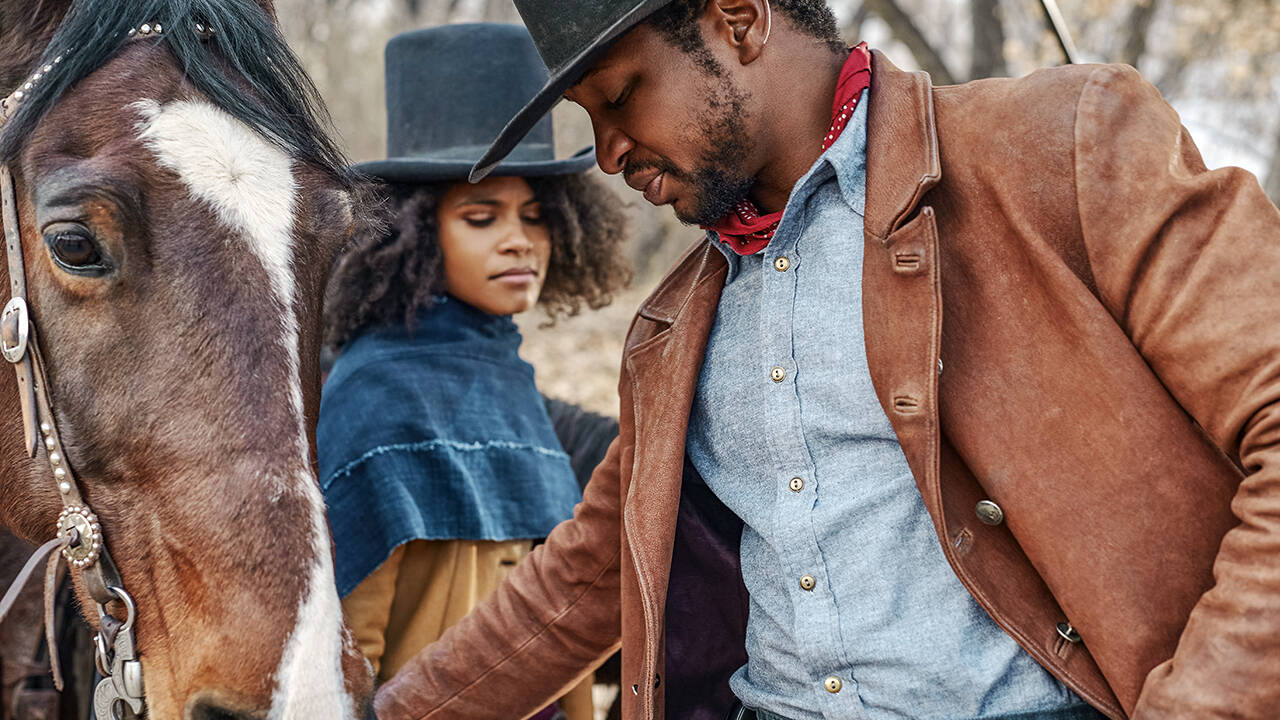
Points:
(743, 24)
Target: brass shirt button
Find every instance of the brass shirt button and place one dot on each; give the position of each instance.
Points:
(832, 684)
(778, 374)
(807, 582)
(782, 264)
(796, 484)
(989, 513)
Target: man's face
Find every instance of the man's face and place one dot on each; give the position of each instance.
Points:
(675, 124)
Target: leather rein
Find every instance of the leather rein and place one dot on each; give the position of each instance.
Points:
(79, 537)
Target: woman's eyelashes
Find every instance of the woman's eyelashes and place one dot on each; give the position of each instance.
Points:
(484, 221)
(478, 221)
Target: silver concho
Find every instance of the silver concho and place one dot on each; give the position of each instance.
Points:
(87, 539)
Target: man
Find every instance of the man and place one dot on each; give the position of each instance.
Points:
(985, 424)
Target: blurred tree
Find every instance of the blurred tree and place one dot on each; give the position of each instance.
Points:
(1218, 61)
(988, 40)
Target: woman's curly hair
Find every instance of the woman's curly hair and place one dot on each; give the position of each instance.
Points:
(389, 273)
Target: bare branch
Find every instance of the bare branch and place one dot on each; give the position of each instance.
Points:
(852, 31)
(1140, 17)
(988, 40)
(905, 30)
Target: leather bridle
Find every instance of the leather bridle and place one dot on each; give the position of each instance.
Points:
(79, 534)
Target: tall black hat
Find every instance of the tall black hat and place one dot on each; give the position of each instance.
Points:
(449, 90)
(571, 35)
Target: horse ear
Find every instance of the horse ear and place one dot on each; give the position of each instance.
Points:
(26, 27)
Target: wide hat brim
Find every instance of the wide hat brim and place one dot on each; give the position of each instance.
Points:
(560, 80)
(427, 169)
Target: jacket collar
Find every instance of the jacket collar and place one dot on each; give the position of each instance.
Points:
(674, 291)
(902, 165)
(902, 146)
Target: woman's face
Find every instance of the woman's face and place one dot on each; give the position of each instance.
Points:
(496, 245)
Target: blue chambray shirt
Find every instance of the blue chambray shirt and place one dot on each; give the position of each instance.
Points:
(787, 432)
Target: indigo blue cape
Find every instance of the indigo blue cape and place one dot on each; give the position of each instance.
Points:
(439, 434)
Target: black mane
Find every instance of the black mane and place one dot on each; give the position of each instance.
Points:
(285, 106)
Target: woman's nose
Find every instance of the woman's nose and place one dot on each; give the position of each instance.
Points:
(516, 241)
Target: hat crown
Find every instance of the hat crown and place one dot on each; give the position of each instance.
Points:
(451, 89)
(563, 28)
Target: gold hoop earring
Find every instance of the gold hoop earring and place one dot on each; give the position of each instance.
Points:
(768, 23)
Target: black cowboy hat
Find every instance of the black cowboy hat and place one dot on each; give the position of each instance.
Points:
(571, 35)
(449, 89)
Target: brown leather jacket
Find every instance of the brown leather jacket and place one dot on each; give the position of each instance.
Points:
(1064, 313)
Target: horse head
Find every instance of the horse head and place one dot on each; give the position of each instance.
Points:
(179, 204)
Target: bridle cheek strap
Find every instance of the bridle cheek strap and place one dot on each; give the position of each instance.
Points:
(83, 547)
(15, 321)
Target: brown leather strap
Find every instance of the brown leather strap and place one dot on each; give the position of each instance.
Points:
(18, 289)
(33, 390)
(52, 574)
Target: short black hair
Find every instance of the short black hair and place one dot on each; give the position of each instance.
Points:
(678, 23)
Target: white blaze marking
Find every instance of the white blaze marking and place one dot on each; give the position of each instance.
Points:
(249, 184)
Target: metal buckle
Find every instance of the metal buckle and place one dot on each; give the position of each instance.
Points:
(15, 329)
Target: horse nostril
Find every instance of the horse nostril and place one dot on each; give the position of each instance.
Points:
(207, 709)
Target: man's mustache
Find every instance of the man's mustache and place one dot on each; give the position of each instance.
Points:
(659, 164)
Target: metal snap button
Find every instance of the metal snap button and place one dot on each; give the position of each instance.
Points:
(989, 513)
(1068, 633)
(796, 484)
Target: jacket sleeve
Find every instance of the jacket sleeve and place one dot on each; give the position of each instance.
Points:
(1188, 261)
(368, 608)
(553, 619)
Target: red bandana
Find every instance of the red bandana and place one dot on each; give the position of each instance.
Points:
(744, 229)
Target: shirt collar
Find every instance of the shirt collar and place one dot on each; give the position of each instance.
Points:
(848, 157)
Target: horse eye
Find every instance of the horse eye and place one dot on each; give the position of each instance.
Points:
(76, 251)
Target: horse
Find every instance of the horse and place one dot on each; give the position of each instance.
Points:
(175, 205)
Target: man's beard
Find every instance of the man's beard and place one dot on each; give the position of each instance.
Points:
(718, 182)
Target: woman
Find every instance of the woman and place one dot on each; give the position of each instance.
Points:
(438, 460)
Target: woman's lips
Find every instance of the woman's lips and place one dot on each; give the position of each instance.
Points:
(516, 276)
(653, 191)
